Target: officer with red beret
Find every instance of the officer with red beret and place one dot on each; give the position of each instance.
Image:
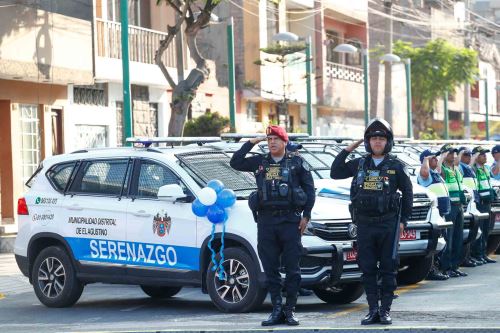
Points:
(282, 208)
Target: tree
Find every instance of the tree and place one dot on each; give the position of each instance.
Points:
(184, 91)
(209, 124)
(436, 68)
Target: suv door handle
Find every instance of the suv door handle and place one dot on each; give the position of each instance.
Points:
(75, 207)
(141, 213)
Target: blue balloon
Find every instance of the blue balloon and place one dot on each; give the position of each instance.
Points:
(216, 214)
(226, 198)
(198, 208)
(216, 185)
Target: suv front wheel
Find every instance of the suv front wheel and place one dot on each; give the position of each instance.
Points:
(340, 294)
(240, 290)
(54, 278)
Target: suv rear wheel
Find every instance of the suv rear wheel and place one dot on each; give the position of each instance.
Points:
(340, 294)
(54, 278)
(240, 291)
(160, 292)
(493, 243)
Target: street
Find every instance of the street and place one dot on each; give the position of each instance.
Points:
(469, 302)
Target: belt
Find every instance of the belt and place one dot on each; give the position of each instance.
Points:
(277, 212)
(365, 218)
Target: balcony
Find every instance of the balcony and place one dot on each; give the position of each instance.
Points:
(143, 43)
(343, 87)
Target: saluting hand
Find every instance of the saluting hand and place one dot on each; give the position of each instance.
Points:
(303, 224)
(354, 145)
(257, 139)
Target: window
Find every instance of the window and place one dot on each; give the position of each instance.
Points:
(138, 12)
(354, 59)
(252, 114)
(59, 175)
(30, 140)
(333, 39)
(90, 95)
(152, 176)
(101, 177)
(272, 11)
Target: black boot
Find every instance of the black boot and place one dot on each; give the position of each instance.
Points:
(373, 316)
(385, 310)
(290, 318)
(277, 316)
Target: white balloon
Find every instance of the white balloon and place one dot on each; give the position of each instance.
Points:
(207, 196)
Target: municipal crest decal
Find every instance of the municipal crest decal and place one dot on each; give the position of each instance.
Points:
(162, 224)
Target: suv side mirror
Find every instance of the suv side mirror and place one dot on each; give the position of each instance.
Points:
(170, 192)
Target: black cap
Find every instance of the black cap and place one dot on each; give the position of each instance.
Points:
(480, 150)
(448, 148)
(495, 150)
(466, 151)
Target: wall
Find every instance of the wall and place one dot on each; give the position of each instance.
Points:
(40, 46)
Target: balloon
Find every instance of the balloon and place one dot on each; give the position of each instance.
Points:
(198, 208)
(207, 196)
(216, 214)
(216, 185)
(226, 198)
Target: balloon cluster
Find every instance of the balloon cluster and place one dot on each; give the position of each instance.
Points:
(212, 202)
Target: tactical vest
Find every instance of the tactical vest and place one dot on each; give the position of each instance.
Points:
(439, 189)
(453, 180)
(469, 180)
(484, 185)
(279, 185)
(371, 194)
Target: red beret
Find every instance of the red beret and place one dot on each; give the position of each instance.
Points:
(280, 132)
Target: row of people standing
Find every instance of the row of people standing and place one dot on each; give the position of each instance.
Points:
(447, 173)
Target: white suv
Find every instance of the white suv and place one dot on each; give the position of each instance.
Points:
(123, 215)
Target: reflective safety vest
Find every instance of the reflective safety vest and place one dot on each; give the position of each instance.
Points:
(453, 179)
(483, 179)
(469, 180)
(439, 189)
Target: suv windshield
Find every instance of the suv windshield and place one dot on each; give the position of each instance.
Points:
(204, 166)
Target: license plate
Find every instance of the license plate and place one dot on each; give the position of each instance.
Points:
(408, 235)
(350, 255)
(497, 217)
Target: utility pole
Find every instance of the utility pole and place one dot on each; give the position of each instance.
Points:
(467, 40)
(127, 112)
(308, 86)
(231, 81)
(388, 103)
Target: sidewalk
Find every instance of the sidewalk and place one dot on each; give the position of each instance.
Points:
(11, 279)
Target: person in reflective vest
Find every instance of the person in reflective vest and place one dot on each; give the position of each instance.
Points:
(469, 182)
(486, 196)
(453, 255)
(430, 177)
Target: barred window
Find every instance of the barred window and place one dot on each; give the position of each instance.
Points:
(102, 177)
(90, 95)
(152, 176)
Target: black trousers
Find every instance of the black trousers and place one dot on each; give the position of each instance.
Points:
(376, 243)
(279, 245)
(452, 255)
(479, 247)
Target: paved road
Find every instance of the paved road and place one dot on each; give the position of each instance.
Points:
(470, 302)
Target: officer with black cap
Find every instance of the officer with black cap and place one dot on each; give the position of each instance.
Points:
(282, 208)
(453, 253)
(486, 195)
(379, 212)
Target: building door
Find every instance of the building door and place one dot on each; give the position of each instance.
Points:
(30, 140)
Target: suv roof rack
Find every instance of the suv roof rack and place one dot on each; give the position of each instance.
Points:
(147, 142)
(236, 137)
(337, 139)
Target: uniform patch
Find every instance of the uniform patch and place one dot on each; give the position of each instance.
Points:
(273, 173)
(306, 166)
(391, 172)
(373, 186)
(161, 225)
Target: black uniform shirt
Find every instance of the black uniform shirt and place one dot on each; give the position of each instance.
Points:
(342, 169)
(252, 163)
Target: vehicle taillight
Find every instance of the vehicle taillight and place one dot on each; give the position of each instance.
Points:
(22, 207)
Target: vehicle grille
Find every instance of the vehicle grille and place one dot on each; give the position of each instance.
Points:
(308, 262)
(419, 213)
(424, 234)
(333, 231)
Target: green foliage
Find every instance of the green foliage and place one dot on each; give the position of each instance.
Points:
(429, 134)
(209, 124)
(436, 68)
